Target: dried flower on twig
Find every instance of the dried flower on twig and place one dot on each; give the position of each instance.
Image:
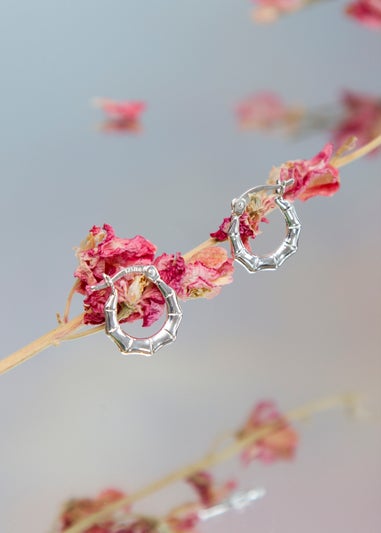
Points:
(206, 489)
(361, 118)
(312, 177)
(266, 111)
(77, 509)
(280, 444)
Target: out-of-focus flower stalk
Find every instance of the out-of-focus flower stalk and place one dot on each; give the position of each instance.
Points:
(346, 401)
(71, 329)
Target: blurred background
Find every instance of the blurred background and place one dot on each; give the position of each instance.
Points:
(81, 417)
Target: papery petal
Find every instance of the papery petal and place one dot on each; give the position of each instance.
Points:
(206, 272)
(366, 12)
(280, 444)
(311, 177)
(361, 118)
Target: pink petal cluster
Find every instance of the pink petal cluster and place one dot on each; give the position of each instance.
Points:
(206, 272)
(362, 117)
(206, 489)
(311, 177)
(183, 520)
(249, 221)
(267, 11)
(77, 509)
(261, 110)
(202, 275)
(280, 444)
(122, 116)
(366, 12)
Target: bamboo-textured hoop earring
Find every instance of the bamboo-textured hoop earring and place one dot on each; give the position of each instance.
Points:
(140, 346)
(254, 263)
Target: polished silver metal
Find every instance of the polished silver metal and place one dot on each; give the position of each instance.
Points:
(254, 263)
(237, 501)
(128, 344)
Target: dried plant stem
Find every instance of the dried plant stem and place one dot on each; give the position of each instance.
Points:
(68, 329)
(54, 337)
(357, 154)
(210, 460)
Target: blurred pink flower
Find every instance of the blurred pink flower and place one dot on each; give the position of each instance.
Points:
(266, 111)
(279, 444)
(121, 116)
(311, 177)
(206, 489)
(205, 273)
(267, 11)
(78, 509)
(261, 110)
(366, 12)
(183, 519)
(362, 118)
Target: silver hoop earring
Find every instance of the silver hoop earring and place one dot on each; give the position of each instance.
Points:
(140, 346)
(254, 263)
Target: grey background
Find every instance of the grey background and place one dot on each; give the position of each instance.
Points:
(80, 417)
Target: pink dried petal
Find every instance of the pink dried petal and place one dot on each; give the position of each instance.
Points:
(267, 11)
(366, 12)
(78, 509)
(246, 229)
(362, 118)
(261, 110)
(311, 177)
(127, 110)
(206, 272)
(208, 492)
(183, 519)
(279, 444)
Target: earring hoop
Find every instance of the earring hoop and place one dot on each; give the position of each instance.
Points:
(126, 343)
(254, 263)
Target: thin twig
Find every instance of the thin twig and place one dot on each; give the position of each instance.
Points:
(302, 413)
(53, 337)
(357, 154)
(66, 330)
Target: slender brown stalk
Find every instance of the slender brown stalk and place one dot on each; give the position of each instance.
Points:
(210, 460)
(357, 154)
(68, 330)
(51, 338)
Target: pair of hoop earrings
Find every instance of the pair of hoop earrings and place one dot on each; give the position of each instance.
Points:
(147, 346)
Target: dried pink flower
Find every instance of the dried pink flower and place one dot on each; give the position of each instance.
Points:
(362, 117)
(183, 519)
(249, 222)
(279, 444)
(122, 116)
(311, 177)
(366, 12)
(206, 489)
(104, 252)
(78, 509)
(205, 273)
(262, 110)
(267, 11)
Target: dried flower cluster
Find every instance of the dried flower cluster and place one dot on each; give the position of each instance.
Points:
(201, 276)
(366, 12)
(280, 444)
(312, 177)
(359, 116)
(121, 116)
